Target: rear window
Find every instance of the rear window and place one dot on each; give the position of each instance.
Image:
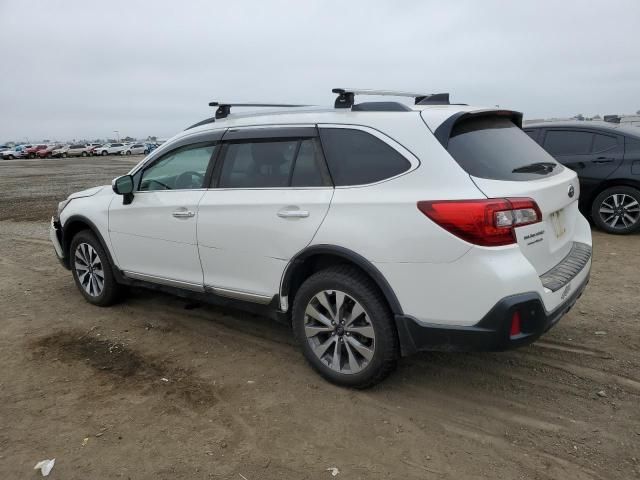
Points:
(495, 148)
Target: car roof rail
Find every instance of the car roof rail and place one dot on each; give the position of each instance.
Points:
(224, 109)
(346, 96)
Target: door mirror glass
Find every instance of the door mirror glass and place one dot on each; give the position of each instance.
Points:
(123, 185)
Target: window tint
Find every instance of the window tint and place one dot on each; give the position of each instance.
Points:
(357, 158)
(309, 169)
(603, 142)
(532, 133)
(184, 168)
(258, 164)
(567, 142)
(494, 148)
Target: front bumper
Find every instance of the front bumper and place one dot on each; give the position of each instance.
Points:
(492, 333)
(55, 235)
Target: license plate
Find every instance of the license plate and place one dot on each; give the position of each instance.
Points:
(557, 220)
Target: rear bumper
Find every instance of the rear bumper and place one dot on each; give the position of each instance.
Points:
(492, 333)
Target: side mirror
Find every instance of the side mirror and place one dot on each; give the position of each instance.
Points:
(124, 186)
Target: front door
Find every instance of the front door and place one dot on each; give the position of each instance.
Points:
(271, 193)
(154, 237)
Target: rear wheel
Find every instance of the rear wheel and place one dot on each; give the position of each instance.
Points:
(84, 154)
(64, 155)
(128, 152)
(104, 153)
(92, 270)
(617, 210)
(345, 328)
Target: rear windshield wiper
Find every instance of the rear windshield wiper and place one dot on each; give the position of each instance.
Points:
(538, 167)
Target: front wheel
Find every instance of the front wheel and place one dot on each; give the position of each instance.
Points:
(92, 270)
(104, 153)
(345, 328)
(64, 155)
(617, 210)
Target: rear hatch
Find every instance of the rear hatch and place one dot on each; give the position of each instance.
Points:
(505, 162)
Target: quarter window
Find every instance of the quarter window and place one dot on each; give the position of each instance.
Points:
(355, 157)
(567, 142)
(182, 169)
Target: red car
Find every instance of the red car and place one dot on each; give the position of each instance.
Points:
(31, 152)
(46, 152)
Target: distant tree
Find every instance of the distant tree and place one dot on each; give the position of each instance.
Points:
(152, 138)
(596, 117)
(128, 139)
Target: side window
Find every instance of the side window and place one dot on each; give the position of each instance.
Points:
(184, 168)
(355, 157)
(532, 133)
(567, 142)
(602, 143)
(273, 164)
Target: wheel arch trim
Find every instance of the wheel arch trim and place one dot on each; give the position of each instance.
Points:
(66, 241)
(344, 253)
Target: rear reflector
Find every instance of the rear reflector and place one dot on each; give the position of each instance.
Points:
(489, 222)
(515, 325)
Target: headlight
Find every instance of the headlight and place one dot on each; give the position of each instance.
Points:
(61, 205)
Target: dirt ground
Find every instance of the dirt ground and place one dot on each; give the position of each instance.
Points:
(156, 387)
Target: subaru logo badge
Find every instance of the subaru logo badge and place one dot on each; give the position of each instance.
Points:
(571, 192)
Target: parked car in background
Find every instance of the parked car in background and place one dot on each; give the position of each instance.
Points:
(109, 149)
(91, 147)
(16, 152)
(482, 246)
(135, 149)
(606, 157)
(47, 152)
(60, 151)
(31, 152)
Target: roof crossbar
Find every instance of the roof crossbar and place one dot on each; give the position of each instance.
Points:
(346, 96)
(224, 109)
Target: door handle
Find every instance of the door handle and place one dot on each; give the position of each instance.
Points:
(183, 214)
(603, 160)
(293, 213)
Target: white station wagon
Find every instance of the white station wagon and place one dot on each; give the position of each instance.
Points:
(375, 229)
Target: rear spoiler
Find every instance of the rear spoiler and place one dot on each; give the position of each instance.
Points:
(443, 132)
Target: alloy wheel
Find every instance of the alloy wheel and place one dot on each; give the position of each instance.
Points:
(89, 269)
(339, 332)
(620, 211)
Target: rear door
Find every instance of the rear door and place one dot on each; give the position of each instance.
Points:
(270, 193)
(503, 161)
(593, 155)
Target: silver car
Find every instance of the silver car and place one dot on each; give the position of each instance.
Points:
(135, 149)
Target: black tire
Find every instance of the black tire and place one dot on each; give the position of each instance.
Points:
(104, 153)
(111, 291)
(602, 219)
(11, 157)
(32, 155)
(64, 155)
(358, 286)
(84, 154)
(128, 152)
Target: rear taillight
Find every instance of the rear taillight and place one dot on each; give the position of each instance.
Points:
(489, 222)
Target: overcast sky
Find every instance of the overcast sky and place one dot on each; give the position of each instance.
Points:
(82, 69)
